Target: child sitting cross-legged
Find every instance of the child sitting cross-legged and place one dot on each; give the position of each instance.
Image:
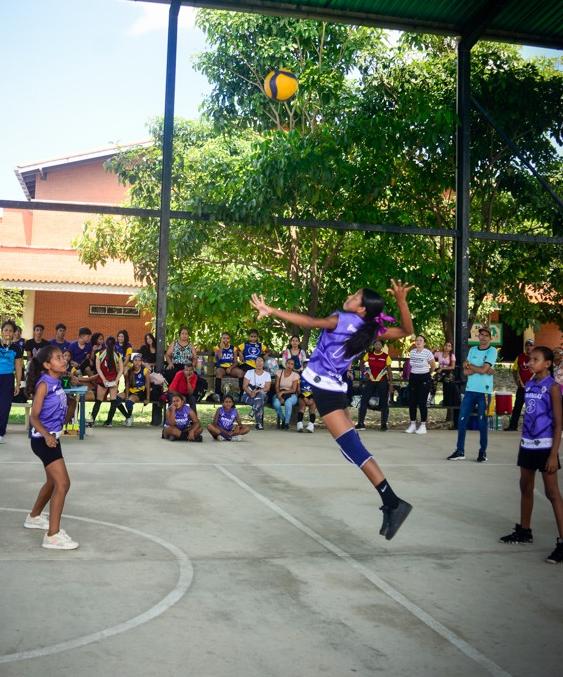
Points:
(182, 422)
(227, 426)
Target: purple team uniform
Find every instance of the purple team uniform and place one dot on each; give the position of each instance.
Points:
(183, 420)
(227, 419)
(537, 431)
(52, 417)
(79, 354)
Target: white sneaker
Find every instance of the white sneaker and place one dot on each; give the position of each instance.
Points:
(39, 522)
(220, 438)
(299, 426)
(411, 428)
(310, 427)
(421, 429)
(236, 438)
(129, 421)
(2, 440)
(59, 541)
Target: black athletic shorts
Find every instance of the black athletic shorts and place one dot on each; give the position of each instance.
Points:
(45, 453)
(328, 401)
(534, 460)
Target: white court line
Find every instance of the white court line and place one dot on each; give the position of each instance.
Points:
(339, 464)
(470, 651)
(185, 578)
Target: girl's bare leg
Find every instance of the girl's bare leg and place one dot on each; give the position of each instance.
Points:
(43, 497)
(57, 473)
(554, 495)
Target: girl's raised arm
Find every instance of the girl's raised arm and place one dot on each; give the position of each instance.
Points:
(298, 319)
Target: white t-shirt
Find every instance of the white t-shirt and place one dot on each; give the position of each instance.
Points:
(420, 361)
(257, 381)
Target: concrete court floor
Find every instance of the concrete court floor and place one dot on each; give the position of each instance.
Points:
(262, 558)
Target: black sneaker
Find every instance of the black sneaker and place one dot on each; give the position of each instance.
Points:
(107, 424)
(198, 438)
(278, 423)
(556, 556)
(396, 517)
(360, 426)
(384, 526)
(384, 428)
(457, 456)
(519, 535)
(482, 458)
(259, 426)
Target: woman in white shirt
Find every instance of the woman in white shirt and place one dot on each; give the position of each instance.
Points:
(256, 385)
(420, 381)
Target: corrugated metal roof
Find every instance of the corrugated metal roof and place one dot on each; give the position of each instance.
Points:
(533, 22)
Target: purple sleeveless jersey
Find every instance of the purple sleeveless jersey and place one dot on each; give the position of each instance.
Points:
(227, 419)
(328, 363)
(537, 432)
(183, 419)
(53, 411)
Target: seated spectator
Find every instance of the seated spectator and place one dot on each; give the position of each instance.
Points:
(306, 401)
(97, 343)
(445, 368)
(287, 387)
(185, 383)
(60, 340)
(148, 351)
(137, 387)
(123, 347)
(227, 426)
(182, 422)
(295, 352)
(225, 363)
(109, 367)
(34, 345)
(80, 349)
(180, 352)
(249, 351)
(256, 386)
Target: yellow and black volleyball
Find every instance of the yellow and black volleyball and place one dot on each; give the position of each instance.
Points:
(280, 85)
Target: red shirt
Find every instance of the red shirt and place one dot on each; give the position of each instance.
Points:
(524, 371)
(180, 384)
(378, 363)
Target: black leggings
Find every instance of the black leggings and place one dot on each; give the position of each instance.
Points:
(419, 387)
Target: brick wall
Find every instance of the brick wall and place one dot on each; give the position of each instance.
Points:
(72, 308)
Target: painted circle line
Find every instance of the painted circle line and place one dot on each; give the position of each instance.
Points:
(185, 578)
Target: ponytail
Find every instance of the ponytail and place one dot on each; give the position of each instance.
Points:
(372, 327)
(36, 368)
(110, 353)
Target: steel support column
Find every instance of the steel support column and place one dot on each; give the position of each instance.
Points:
(463, 136)
(166, 185)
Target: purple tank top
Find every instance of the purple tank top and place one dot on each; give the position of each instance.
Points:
(53, 411)
(183, 419)
(537, 432)
(328, 363)
(227, 419)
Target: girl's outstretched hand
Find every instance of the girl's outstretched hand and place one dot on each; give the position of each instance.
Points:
(258, 303)
(400, 289)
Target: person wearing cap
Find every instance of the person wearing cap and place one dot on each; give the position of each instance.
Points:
(478, 368)
(521, 374)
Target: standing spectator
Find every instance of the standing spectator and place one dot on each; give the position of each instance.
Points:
(422, 365)
(124, 348)
(10, 364)
(295, 352)
(80, 349)
(148, 351)
(287, 387)
(180, 352)
(558, 367)
(444, 374)
(256, 385)
(96, 344)
(60, 341)
(250, 350)
(478, 368)
(185, 383)
(109, 366)
(379, 384)
(521, 373)
(34, 345)
(225, 363)
(18, 339)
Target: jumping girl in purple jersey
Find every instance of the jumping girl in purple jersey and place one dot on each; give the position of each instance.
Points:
(346, 334)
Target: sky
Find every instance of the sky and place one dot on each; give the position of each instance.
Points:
(78, 75)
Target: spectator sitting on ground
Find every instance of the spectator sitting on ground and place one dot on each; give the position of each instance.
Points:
(227, 426)
(225, 363)
(60, 340)
(148, 351)
(182, 422)
(295, 352)
(137, 387)
(185, 383)
(80, 349)
(34, 345)
(248, 352)
(287, 387)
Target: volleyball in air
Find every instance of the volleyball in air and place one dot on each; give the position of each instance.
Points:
(280, 85)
